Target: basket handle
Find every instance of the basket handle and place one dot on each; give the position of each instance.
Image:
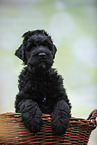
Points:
(93, 117)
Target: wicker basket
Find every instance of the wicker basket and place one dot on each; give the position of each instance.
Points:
(13, 131)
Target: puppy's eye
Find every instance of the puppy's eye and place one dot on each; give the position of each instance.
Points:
(47, 43)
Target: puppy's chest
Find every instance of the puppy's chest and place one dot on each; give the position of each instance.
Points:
(40, 86)
(43, 85)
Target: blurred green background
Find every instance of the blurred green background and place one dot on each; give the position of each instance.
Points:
(73, 27)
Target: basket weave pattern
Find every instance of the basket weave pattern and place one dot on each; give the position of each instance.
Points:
(13, 131)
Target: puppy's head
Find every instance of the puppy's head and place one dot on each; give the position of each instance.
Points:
(37, 50)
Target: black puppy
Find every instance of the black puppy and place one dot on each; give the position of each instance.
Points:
(40, 87)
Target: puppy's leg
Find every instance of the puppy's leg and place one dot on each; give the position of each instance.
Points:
(60, 117)
(31, 115)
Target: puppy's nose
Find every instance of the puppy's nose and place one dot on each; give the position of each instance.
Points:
(42, 55)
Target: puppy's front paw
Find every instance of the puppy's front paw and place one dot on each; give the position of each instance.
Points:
(60, 117)
(31, 115)
(58, 126)
(36, 125)
(33, 123)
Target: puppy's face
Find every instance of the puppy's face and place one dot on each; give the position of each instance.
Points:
(38, 57)
(37, 51)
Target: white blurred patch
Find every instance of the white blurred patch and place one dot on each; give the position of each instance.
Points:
(85, 50)
(60, 5)
(61, 26)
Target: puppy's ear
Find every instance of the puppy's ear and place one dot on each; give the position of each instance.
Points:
(54, 51)
(27, 35)
(20, 52)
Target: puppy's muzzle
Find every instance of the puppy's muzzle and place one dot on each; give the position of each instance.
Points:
(42, 55)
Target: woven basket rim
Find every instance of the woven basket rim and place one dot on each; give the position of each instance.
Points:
(48, 117)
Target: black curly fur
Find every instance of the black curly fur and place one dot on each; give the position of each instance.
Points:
(40, 86)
